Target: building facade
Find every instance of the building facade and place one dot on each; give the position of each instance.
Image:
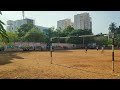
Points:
(14, 25)
(64, 23)
(82, 21)
(43, 29)
(10, 25)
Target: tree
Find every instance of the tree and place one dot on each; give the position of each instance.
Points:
(3, 33)
(117, 40)
(112, 27)
(68, 30)
(118, 30)
(101, 40)
(34, 35)
(57, 32)
(77, 40)
(24, 29)
(62, 33)
(13, 37)
(49, 35)
(110, 42)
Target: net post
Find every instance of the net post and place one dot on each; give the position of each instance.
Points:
(51, 49)
(113, 52)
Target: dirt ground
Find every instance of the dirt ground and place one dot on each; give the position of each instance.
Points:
(71, 64)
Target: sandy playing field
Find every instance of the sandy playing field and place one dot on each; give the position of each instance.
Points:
(71, 64)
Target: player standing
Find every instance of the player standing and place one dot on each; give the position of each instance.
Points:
(97, 48)
(86, 49)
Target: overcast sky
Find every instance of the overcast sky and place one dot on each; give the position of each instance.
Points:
(100, 19)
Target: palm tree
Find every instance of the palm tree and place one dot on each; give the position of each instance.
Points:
(3, 33)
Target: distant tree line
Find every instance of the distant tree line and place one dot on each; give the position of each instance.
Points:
(30, 33)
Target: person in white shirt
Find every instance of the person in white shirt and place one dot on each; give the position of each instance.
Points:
(102, 49)
(97, 48)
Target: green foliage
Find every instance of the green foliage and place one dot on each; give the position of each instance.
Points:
(67, 31)
(24, 29)
(110, 42)
(117, 40)
(12, 36)
(116, 30)
(1, 45)
(34, 35)
(112, 27)
(101, 40)
(10, 44)
(50, 34)
(80, 32)
(3, 33)
(77, 40)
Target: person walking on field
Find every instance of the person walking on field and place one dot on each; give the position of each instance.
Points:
(97, 48)
(86, 49)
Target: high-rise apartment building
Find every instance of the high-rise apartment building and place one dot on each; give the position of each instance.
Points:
(82, 21)
(13, 25)
(64, 23)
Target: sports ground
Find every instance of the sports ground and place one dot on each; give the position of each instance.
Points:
(66, 64)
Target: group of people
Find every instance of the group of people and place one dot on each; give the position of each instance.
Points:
(97, 48)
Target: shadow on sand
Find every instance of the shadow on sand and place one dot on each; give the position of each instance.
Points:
(95, 72)
(62, 51)
(6, 57)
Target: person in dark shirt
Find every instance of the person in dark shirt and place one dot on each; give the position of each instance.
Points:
(86, 49)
